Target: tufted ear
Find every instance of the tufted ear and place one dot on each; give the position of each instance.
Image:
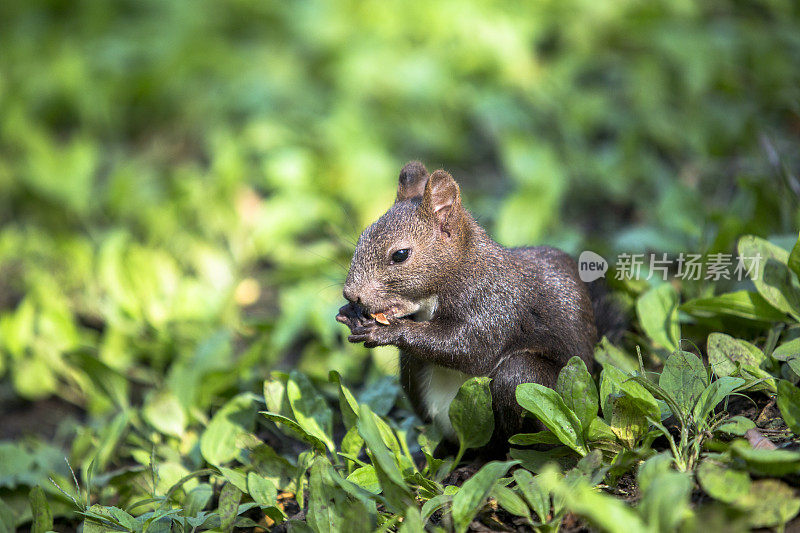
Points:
(442, 200)
(412, 181)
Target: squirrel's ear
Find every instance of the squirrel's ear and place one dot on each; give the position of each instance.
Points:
(442, 199)
(412, 181)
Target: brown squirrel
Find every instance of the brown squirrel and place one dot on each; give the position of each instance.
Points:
(428, 279)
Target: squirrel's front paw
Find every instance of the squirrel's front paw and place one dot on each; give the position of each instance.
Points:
(373, 334)
(352, 315)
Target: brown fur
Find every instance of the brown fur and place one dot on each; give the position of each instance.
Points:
(514, 314)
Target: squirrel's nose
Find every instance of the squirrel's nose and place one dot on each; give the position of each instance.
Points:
(349, 294)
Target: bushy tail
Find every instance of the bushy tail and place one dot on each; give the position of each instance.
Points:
(609, 318)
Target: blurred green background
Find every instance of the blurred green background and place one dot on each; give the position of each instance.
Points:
(182, 182)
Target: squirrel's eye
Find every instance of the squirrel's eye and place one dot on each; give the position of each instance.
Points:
(400, 255)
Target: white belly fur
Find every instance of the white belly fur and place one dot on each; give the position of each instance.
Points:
(439, 388)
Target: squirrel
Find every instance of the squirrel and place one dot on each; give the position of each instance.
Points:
(427, 278)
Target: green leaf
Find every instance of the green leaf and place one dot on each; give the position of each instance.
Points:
(541, 437)
(769, 503)
(535, 494)
(228, 506)
(606, 512)
(295, 430)
(657, 310)
(721, 482)
(737, 425)
(629, 419)
(578, 390)
(606, 354)
(742, 304)
(218, 442)
(347, 402)
(787, 351)
(412, 521)
(684, 378)
(548, 407)
(42, 517)
(510, 501)
(385, 463)
(789, 404)
(614, 382)
(771, 275)
(471, 415)
(666, 502)
(164, 412)
(366, 478)
(712, 395)
(262, 490)
(470, 497)
(766, 462)
(794, 259)
(434, 504)
(310, 409)
(650, 469)
(724, 352)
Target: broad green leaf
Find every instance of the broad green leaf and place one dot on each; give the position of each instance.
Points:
(767, 462)
(164, 412)
(794, 259)
(743, 304)
(366, 478)
(294, 428)
(542, 437)
(712, 395)
(606, 354)
(769, 503)
(536, 461)
(228, 506)
(737, 425)
(600, 509)
(614, 382)
(650, 469)
(347, 402)
(275, 395)
(262, 490)
(666, 502)
(535, 494)
(771, 275)
(728, 356)
(684, 378)
(471, 415)
(721, 482)
(789, 404)
(629, 419)
(310, 409)
(197, 499)
(218, 442)
(510, 501)
(598, 431)
(235, 477)
(548, 407)
(470, 497)
(657, 310)
(724, 352)
(412, 521)
(787, 351)
(42, 517)
(434, 504)
(578, 390)
(384, 461)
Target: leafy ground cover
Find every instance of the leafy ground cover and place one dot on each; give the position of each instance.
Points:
(181, 184)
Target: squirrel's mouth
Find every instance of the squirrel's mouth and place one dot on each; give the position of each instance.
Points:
(419, 311)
